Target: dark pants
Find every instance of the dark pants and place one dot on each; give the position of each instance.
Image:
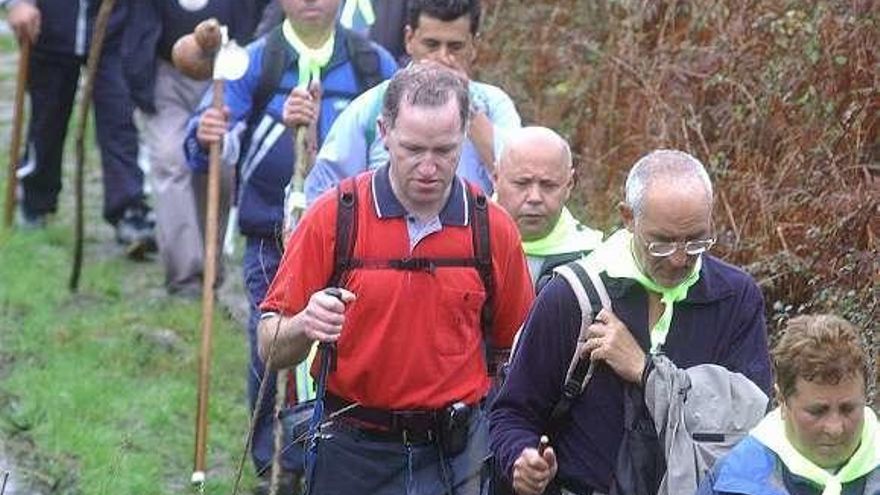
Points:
(52, 82)
(350, 461)
(261, 258)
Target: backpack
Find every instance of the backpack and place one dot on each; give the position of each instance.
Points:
(591, 295)
(346, 236)
(276, 58)
(640, 464)
(364, 60)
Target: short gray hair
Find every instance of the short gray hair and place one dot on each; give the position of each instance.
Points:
(425, 85)
(663, 164)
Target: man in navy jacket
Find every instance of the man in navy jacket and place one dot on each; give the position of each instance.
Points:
(668, 296)
(60, 31)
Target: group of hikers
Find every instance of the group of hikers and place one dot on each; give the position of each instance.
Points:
(452, 326)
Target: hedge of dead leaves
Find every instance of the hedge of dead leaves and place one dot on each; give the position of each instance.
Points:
(780, 100)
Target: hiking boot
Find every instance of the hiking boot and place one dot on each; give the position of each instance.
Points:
(135, 231)
(33, 221)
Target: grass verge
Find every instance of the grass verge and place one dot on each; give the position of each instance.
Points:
(98, 388)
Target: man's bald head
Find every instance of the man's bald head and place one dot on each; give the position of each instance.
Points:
(533, 179)
(535, 140)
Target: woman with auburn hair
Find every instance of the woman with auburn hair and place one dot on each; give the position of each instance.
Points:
(822, 439)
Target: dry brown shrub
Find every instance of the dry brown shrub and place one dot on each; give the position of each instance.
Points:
(780, 100)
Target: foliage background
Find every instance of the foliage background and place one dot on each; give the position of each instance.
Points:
(780, 100)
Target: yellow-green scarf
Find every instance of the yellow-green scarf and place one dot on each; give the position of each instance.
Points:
(351, 7)
(615, 257)
(567, 236)
(771, 432)
(311, 60)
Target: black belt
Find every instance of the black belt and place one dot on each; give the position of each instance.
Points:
(413, 426)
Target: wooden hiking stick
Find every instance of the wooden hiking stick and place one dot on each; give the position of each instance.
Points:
(208, 277)
(293, 212)
(231, 62)
(24, 58)
(85, 101)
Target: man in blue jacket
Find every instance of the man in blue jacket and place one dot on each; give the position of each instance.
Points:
(60, 31)
(668, 295)
(258, 137)
(167, 98)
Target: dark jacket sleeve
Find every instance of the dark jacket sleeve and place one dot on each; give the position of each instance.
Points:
(140, 38)
(748, 351)
(533, 385)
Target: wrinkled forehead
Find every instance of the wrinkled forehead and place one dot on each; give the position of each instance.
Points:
(539, 150)
(676, 209)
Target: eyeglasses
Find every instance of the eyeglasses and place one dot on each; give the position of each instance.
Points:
(691, 248)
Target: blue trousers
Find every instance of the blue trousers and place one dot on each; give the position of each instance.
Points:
(261, 258)
(349, 461)
(52, 82)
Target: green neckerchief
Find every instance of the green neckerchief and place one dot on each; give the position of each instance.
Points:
(311, 60)
(615, 257)
(771, 432)
(567, 236)
(351, 7)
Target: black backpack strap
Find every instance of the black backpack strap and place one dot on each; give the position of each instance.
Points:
(580, 370)
(364, 59)
(346, 231)
(481, 238)
(276, 58)
(545, 274)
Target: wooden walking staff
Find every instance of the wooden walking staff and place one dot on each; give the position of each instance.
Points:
(85, 102)
(24, 57)
(304, 142)
(230, 63)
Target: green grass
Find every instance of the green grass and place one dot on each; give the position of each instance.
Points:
(90, 401)
(87, 383)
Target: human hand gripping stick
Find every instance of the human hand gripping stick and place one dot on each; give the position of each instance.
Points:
(324, 315)
(535, 468)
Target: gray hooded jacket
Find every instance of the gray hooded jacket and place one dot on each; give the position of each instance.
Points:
(700, 413)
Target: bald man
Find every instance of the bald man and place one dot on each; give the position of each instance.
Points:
(533, 180)
(668, 296)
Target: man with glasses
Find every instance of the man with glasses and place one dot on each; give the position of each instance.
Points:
(668, 295)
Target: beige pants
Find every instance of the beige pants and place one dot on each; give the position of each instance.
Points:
(179, 195)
